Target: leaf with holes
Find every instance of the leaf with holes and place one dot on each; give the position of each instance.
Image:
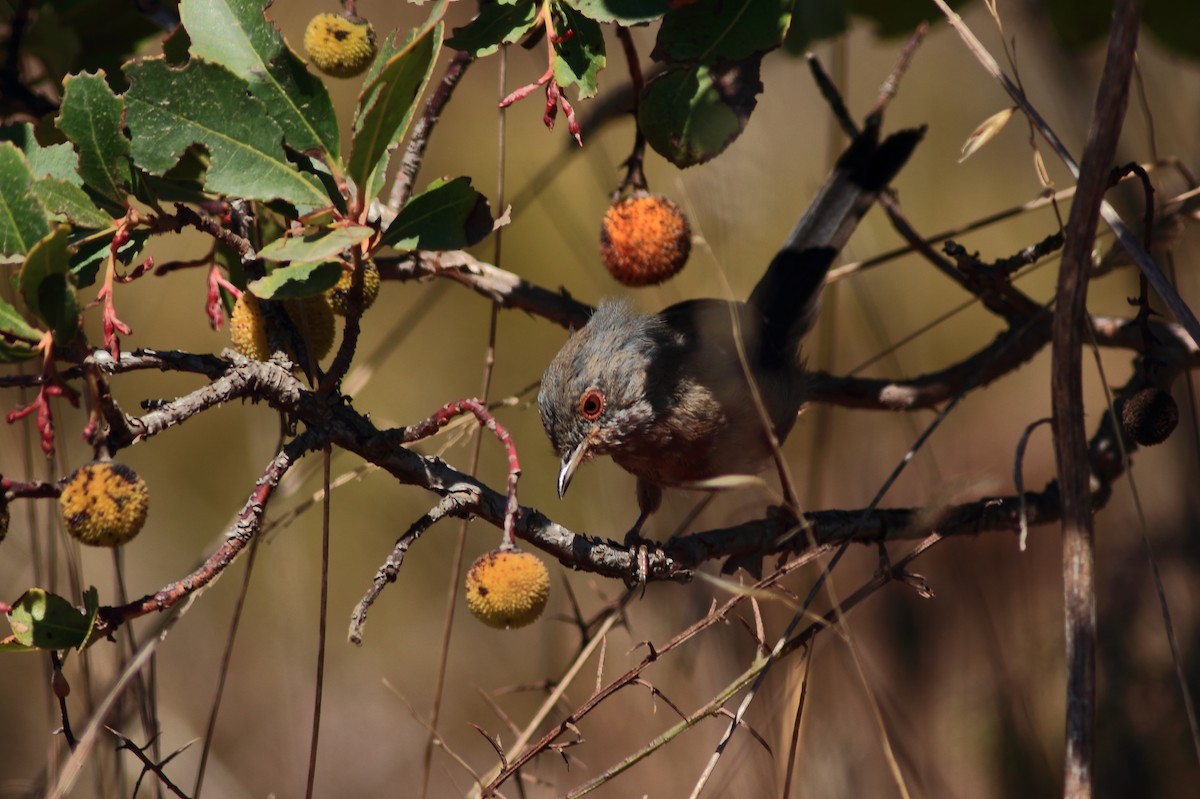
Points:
(578, 50)
(237, 35)
(91, 118)
(169, 110)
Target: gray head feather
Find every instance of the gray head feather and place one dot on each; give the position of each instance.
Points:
(610, 353)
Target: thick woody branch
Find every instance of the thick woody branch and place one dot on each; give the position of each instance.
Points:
(463, 495)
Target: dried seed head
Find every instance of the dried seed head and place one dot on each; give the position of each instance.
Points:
(1150, 416)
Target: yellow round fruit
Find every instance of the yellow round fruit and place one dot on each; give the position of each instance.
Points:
(314, 319)
(340, 45)
(104, 504)
(339, 295)
(507, 588)
(644, 239)
(312, 316)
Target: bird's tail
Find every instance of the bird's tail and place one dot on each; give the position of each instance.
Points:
(789, 293)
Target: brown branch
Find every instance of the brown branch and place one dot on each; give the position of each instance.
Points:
(248, 522)
(463, 495)
(496, 284)
(1066, 384)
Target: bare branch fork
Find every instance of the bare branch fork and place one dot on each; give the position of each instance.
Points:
(341, 425)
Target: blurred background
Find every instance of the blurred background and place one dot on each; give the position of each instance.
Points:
(966, 689)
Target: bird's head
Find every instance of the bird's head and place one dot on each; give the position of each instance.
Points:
(594, 394)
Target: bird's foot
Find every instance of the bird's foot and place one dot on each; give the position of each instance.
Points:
(639, 549)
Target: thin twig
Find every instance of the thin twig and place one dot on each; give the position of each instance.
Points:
(322, 619)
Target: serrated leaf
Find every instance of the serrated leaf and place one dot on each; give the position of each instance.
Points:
(22, 219)
(385, 108)
(71, 202)
(55, 161)
(448, 215)
(45, 283)
(690, 115)
(169, 110)
(496, 24)
(91, 118)
(47, 621)
(17, 338)
(706, 31)
(237, 35)
(323, 245)
(578, 50)
(296, 281)
(622, 12)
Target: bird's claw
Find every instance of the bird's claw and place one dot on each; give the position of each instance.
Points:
(639, 550)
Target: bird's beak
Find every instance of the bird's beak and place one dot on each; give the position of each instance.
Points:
(570, 463)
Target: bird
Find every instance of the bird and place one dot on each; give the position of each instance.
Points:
(667, 395)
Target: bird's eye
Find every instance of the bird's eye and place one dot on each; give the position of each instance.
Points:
(591, 404)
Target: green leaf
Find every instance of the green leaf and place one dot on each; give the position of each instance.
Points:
(496, 24)
(47, 621)
(169, 110)
(22, 219)
(296, 281)
(708, 30)
(45, 283)
(72, 202)
(90, 252)
(578, 49)
(17, 338)
(55, 161)
(237, 35)
(91, 119)
(690, 115)
(449, 215)
(623, 12)
(322, 245)
(386, 106)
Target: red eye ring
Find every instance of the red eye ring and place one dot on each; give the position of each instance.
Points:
(591, 404)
